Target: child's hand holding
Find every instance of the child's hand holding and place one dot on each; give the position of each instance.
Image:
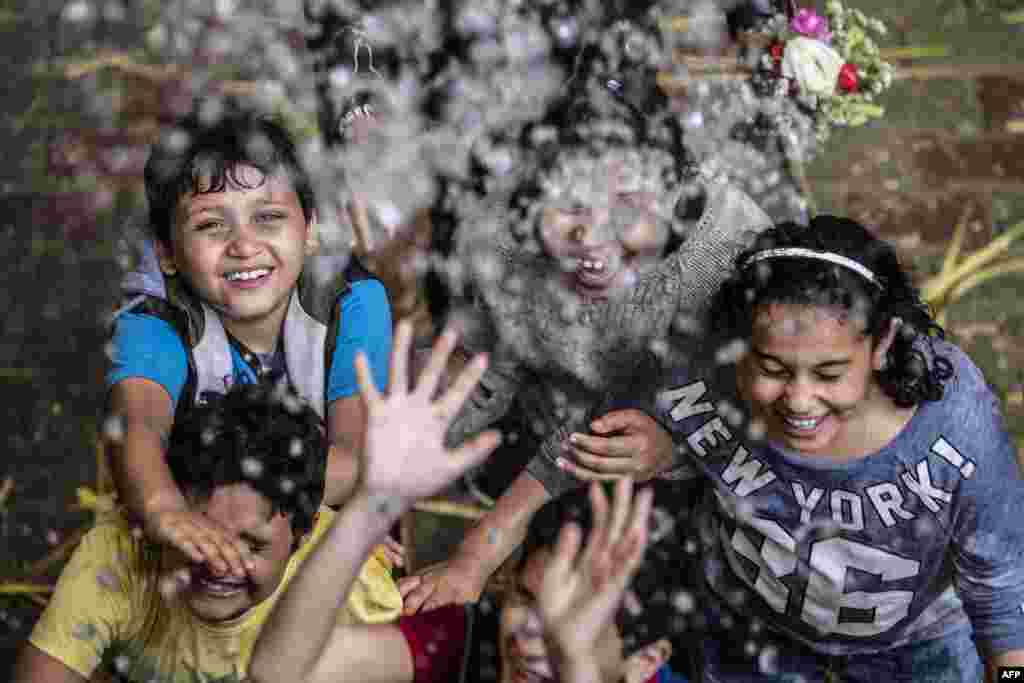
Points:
(444, 583)
(201, 540)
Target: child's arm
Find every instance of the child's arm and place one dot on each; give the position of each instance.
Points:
(489, 543)
(35, 666)
(404, 459)
(144, 483)
(364, 325)
(987, 545)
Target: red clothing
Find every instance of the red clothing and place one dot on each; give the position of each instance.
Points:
(437, 643)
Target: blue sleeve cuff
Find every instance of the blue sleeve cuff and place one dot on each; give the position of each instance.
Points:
(364, 324)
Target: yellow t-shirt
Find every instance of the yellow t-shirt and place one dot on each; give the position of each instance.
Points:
(108, 613)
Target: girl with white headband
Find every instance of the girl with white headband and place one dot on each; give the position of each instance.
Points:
(864, 522)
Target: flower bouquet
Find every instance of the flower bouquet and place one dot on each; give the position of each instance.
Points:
(829, 64)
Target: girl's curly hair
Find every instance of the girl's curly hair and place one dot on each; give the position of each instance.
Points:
(907, 377)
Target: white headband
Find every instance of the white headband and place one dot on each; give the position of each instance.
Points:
(837, 259)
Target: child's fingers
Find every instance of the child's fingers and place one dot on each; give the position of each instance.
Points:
(394, 551)
(407, 584)
(566, 549)
(367, 389)
(394, 546)
(467, 380)
(620, 509)
(191, 537)
(584, 474)
(398, 380)
(617, 420)
(430, 376)
(190, 549)
(636, 537)
(416, 598)
(228, 553)
(599, 518)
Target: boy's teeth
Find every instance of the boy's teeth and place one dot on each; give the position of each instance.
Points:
(247, 274)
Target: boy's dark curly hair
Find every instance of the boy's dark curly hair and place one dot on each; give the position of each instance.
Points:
(200, 156)
(261, 435)
(908, 378)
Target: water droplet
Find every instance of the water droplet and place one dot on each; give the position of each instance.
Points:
(252, 468)
(113, 428)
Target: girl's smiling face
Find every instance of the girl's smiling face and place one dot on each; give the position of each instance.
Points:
(809, 376)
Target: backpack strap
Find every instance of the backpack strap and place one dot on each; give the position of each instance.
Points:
(178, 320)
(325, 306)
(212, 357)
(307, 365)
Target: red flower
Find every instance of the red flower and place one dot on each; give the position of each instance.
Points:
(776, 50)
(848, 81)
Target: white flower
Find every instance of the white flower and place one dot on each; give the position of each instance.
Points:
(813, 64)
(886, 78)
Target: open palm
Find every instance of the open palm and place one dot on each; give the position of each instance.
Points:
(579, 596)
(404, 457)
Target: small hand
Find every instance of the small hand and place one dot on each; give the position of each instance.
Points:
(625, 443)
(404, 458)
(201, 539)
(580, 592)
(393, 551)
(438, 585)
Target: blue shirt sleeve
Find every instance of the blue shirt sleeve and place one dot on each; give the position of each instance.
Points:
(988, 541)
(364, 324)
(146, 346)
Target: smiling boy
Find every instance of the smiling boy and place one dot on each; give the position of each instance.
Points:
(233, 218)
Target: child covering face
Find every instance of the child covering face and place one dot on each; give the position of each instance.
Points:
(867, 524)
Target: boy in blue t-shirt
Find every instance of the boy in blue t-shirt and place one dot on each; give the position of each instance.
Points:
(233, 219)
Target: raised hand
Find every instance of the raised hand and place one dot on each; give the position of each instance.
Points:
(625, 443)
(404, 458)
(580, 591)
(200, 538)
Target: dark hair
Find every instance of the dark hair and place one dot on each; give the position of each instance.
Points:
(258, 434)
(907, 377)
(664, 587)
(198, 151)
